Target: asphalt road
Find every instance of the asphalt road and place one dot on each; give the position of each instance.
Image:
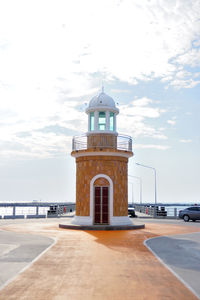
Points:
(17, 251)
(181, 254)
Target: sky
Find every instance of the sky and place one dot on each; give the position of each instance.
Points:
(54, 57)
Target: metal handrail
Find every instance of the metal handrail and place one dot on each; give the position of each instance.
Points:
(123, 142)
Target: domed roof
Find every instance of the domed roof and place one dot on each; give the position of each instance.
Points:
(102, 100)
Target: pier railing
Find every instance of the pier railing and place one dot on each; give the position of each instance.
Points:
(29, 210)
(158, 211)
(120, 142)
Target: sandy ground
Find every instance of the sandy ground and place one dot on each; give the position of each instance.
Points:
(97, 265)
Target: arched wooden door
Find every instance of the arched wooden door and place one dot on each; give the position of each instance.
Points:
(101, 201)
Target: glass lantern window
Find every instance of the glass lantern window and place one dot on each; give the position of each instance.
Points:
(111, 121)
(92, 121)
(102, 120)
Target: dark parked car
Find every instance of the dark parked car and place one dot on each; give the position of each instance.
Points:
(131, 212)
(190, 213)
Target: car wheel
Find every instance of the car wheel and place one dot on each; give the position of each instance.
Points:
(186, 218)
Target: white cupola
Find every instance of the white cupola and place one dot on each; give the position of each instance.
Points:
(102, 114)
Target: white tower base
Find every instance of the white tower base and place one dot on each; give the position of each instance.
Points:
(125, 220)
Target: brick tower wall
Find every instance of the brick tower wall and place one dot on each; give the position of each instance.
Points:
(116, 168)
(101, 182)
(102, 140)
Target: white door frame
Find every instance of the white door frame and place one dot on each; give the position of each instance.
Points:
(110, 196)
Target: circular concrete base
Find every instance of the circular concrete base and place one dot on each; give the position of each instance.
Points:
(102, 227)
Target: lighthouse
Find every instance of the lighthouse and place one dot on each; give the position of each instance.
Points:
(101, 157)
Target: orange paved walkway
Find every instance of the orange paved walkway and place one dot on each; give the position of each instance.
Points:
(97, 265)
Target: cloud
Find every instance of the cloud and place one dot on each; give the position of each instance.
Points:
(23, 134)
(51, 67)
(41, 132)
(133, 116)
(149, 41)
(197, 74)
(188, 113)
(184, 79)
(151, 146)
(189, 83)
(171, 122)
(141, 108)
(58, 130)
(190, 58)
(4, 45)
(118, 91)
(183, 74)
(142, 102)
(185, 141)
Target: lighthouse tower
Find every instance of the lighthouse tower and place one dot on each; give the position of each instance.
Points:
(102, 167)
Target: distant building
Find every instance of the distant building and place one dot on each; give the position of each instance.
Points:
(102, 167)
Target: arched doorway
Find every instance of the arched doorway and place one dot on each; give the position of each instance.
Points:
(101, 201)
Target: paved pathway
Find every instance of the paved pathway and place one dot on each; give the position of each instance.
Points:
(181, 253)
(17, 251)
(97, 265)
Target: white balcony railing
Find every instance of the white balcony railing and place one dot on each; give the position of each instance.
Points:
(123, 142)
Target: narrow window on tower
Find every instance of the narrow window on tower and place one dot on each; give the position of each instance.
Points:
(111, 121)
(102, 120)
(92, 121)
